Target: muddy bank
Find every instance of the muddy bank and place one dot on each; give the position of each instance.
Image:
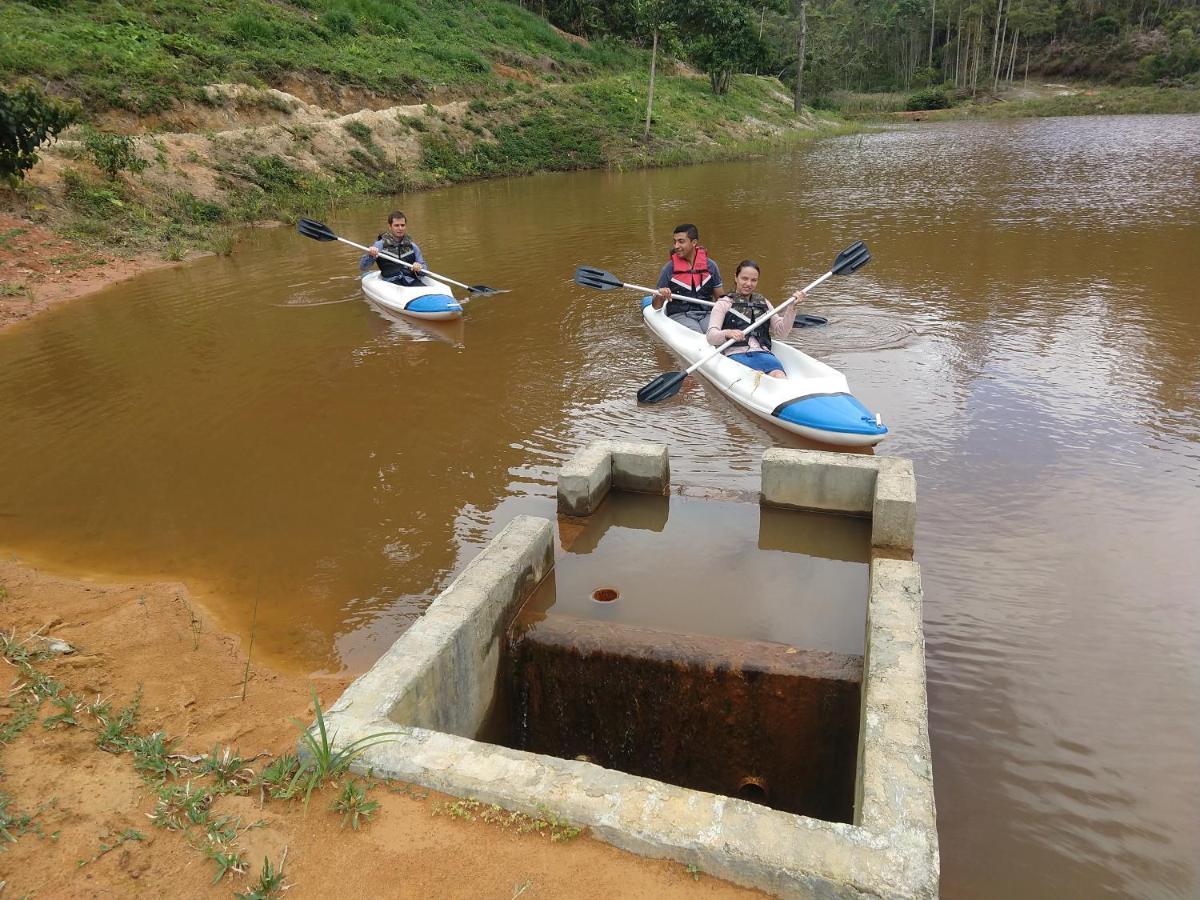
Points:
(40, 269)
(80, 815)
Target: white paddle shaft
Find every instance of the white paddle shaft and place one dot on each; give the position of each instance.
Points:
(394, 259)
(709, 303)
(729, 343)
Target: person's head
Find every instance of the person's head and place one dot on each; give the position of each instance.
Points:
(397, 224)
(746, 276)
(684, 240)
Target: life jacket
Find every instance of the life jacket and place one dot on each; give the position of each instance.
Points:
(402, 249)
(691, 280)
(753, 308)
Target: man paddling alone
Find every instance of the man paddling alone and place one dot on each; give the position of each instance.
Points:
(395, 242)
(689, 273)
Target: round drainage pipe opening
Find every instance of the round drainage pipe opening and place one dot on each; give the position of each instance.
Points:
(752, 788)
(605, 595)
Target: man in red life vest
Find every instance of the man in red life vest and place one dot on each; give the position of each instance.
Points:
(689, 273)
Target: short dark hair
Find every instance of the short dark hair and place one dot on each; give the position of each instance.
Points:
(691, 231)
(747, 264)
(396, 214)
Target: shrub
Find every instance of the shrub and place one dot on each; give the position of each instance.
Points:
(360, 132)
(338, 20)
(112, 153)
(929, 98)
(27, 120)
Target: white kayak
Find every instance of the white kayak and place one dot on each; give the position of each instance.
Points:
(814, 401)
(429, 300)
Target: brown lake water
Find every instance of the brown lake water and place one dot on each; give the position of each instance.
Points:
(1029, 329)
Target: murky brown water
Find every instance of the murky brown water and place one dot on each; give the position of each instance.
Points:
(775, 575)
(1029, 328)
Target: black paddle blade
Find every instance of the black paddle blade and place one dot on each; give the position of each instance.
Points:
(318, 231)
(806, 321)
(665, 385)
(851, 259)
(597, 278)
(484, 290)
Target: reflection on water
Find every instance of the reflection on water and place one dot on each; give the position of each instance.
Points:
(1028, 327)
(695, 566)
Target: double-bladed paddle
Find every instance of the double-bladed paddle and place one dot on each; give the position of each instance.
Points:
(606, 281)
(318, 231)
(667, 384)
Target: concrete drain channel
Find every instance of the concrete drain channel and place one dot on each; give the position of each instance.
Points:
(798, 771)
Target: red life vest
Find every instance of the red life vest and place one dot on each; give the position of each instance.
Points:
(690, 278)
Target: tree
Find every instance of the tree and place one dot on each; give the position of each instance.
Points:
(654, 16)
(719, 37)
(797, 105)
(27, 120)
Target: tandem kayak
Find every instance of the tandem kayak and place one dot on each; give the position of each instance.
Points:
(429, 300)
(814, 401)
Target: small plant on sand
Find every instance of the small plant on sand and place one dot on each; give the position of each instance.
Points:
(228, 770)
(276, 779)
(324, 761)
(116, 729)
(13, 825)
(129, 834)
(220, 833)
(30, 687)
(69, 705)
(353, 804)
(153, 756)
(270, 883)
(179, 806)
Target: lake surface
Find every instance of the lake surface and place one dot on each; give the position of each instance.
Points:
(1029, 328)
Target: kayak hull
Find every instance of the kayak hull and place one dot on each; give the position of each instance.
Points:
(814, 401)
(429, 300)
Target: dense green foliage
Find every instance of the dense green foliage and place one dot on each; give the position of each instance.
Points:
(143, 56)
(888, 45)
(27, 120)
(112, 153)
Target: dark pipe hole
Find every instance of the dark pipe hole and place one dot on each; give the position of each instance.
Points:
(752, 789)
(605, 595)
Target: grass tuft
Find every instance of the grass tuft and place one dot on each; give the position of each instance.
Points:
(353, 804)
(270, 883)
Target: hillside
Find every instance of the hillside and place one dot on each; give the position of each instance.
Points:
(232, 113)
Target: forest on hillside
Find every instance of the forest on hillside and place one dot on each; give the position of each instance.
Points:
(893, 45)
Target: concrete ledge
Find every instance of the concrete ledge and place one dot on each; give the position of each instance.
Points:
(442, 673)
(881, 487)
(585, 479)
(894, 510)
(890, 851)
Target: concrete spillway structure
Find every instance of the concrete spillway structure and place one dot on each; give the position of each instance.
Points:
(439, 686)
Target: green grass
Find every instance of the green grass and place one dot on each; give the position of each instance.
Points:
(353, 804)
(270, 883)
(599, 123)
(1085, 101)
(146, 56)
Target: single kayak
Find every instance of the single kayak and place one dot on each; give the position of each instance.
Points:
(429, 300)
(814, 401)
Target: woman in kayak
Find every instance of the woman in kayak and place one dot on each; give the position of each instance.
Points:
(751, 349)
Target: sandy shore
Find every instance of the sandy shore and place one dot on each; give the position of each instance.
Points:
(81, 799)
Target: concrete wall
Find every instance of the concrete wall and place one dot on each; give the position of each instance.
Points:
(587, 477)
(435, 680)
(882, 487)
(442, 673)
